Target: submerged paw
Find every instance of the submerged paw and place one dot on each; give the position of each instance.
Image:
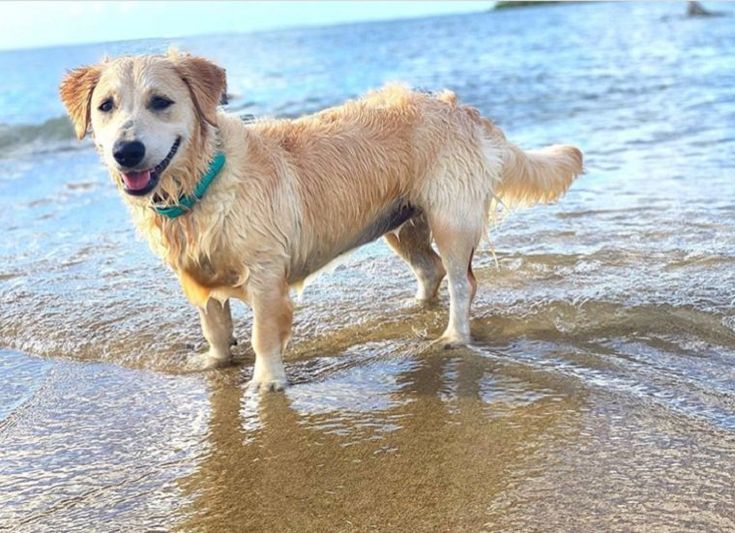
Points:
(449, 342)
(205, 361)
(267, 385)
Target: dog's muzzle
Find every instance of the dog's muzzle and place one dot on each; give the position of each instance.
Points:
(140, 183)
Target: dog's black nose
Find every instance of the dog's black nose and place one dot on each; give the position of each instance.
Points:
(128, 153)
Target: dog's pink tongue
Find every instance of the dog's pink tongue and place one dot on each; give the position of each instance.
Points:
(135, 181)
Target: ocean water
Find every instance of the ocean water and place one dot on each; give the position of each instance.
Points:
(600, 391)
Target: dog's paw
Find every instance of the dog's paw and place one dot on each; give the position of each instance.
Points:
(416, 304)
(449, 342)
(206, 361)
(268, 374)
(424, 298)
(268, 385)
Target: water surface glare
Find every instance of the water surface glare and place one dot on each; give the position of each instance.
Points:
(599, 393)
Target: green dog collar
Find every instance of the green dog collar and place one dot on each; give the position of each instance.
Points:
(186, 203)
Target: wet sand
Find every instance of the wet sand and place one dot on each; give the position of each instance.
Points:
(382, 439)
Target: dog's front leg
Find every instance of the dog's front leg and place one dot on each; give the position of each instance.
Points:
(216, 321)
(272, 318)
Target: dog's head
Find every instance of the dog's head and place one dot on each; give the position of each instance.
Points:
(144, 113)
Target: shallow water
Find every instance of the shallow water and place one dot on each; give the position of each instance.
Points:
(600, 392)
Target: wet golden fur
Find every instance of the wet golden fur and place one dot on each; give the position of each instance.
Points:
(296, 194)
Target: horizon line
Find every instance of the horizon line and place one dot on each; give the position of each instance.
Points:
(251, 32)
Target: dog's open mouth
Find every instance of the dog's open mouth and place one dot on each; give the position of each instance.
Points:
(142, 182)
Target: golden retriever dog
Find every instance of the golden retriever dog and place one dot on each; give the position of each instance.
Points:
(249, 211)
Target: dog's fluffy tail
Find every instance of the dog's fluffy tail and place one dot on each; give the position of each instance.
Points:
(537, 176)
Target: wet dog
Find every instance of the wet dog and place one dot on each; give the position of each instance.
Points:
(250, 210)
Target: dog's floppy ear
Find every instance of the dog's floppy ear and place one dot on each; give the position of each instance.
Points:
(206, 82)
(76, 93)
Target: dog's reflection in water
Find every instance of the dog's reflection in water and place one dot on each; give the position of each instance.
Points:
(433, 454)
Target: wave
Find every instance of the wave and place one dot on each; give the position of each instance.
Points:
(52, 135)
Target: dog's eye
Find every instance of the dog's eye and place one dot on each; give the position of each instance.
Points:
(159, 103)
(106, 105)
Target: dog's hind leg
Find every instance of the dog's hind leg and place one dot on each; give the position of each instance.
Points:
(272, 319)
(457, 240)
(216, 321)
(412, 242)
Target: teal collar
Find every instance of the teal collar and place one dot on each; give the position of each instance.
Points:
(187, 202)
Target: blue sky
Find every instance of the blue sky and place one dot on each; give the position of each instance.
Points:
(44, 23)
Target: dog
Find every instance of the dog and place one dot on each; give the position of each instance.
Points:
(249, 211)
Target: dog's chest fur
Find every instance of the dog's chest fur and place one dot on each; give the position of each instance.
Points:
(213, 272)
(209, 278)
